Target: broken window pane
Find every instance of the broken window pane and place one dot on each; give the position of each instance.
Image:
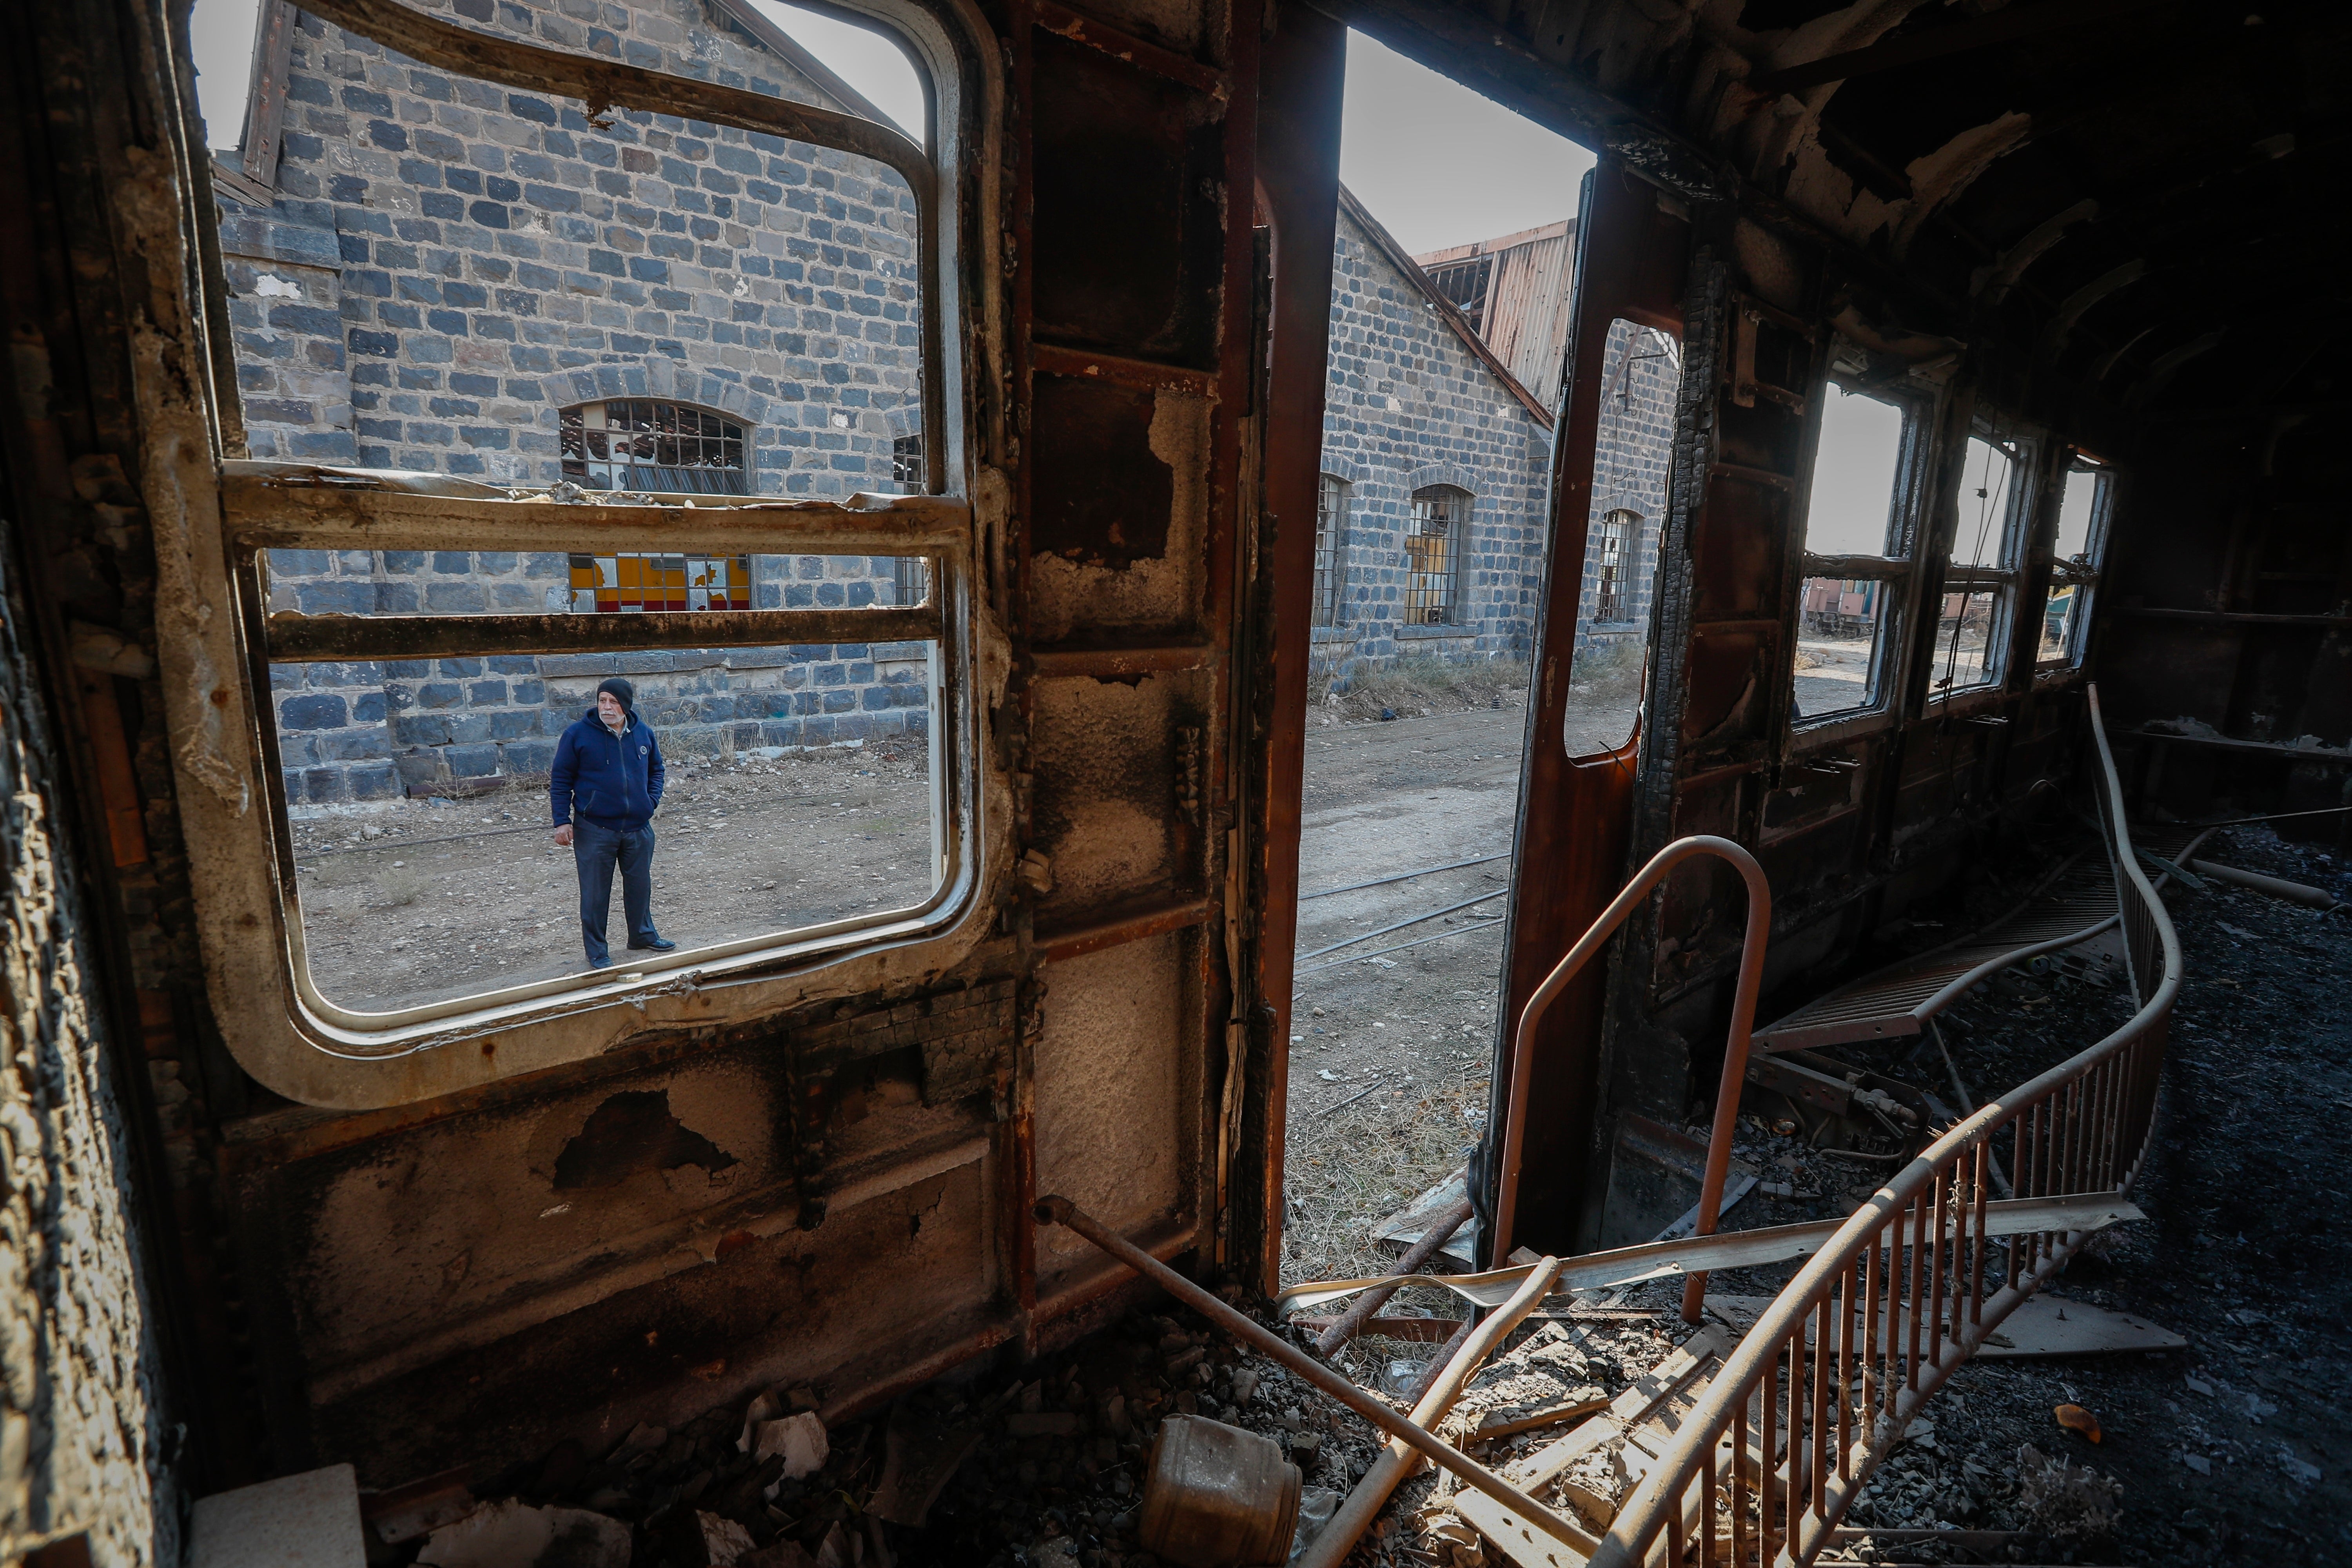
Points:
(1851, 506)
(1633, 457)
(2058, 613)
(1982, 535)
(2077, 509)
(1837, 642)
(798, 799)
(1965, 652)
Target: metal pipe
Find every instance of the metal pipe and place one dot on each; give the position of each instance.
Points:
(1390, 1467)
(1062, 1212)
(1440, 1232)
(1735, 1051)
(2278, 888)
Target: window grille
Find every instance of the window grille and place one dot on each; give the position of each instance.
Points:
(1617, 528)
(1463, 284)
(1441, 515)
(907, 463)
(640, 444)
(910, 581)
(1330, 528)
(643, 445)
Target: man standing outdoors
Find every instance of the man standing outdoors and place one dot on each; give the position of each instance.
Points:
(604, 789)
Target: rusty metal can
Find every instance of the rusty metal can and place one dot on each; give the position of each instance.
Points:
(1218, 1496)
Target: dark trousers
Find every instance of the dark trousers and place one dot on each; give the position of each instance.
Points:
(595, 851)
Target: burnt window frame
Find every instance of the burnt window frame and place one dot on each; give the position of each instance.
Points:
(2086, 571)
(249, 919)
(1457, 534)
(2003, 577)
(1898, 571)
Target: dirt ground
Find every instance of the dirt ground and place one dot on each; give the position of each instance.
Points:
(1832, 674)
(411, 901)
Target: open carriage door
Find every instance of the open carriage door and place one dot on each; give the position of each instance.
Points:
(1577, 812)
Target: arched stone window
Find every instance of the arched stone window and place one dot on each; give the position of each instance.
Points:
(1432, 554)
(645, 443)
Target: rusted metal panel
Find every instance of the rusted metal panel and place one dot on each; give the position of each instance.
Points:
(1298, 179)
(1129, 232)
(1575, 814)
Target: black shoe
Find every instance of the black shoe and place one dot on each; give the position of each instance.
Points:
(658, 944)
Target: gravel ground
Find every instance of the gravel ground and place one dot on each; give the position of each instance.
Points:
(410, 901)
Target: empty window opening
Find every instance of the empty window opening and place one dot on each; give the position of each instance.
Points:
(1330, 548)
(1440, 520)
(1855, 554)
(1632, 455)
(1451, 261)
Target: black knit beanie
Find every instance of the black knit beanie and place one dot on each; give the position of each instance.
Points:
(620, 689)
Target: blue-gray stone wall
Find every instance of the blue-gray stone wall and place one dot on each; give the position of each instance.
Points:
(375, 730)
(449, 264)
(1407, 405)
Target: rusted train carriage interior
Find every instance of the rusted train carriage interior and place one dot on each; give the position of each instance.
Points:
(500, 1255)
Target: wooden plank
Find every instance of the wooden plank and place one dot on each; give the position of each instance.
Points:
(1517, 1539)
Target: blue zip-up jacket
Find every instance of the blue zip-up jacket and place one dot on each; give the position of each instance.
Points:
(612, 781)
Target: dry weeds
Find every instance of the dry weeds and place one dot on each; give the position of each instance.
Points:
(1355, 1167)
(1413, 688)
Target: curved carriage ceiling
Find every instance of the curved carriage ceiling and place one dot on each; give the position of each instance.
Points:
(2100, 193)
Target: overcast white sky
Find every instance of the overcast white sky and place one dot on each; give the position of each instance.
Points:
(1440, 165)
(1433, 161)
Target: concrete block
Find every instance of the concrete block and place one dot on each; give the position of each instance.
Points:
(309, 1521)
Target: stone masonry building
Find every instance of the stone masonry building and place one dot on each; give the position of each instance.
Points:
(450, 276)
(1430, 532)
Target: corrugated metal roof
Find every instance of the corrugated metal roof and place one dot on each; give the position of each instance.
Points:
(1525, 318)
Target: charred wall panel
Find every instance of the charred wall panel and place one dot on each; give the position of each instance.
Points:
(1129, 232)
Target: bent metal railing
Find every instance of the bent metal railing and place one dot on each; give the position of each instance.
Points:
(1818, 1393)
(1734, 1045)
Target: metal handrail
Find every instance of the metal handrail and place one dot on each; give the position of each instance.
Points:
(1915, 1262)
(1734, 1050)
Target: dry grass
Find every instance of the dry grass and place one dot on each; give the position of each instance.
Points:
(1349, 1171)
(397, 887)
(1609, 670)
(1413, 688)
